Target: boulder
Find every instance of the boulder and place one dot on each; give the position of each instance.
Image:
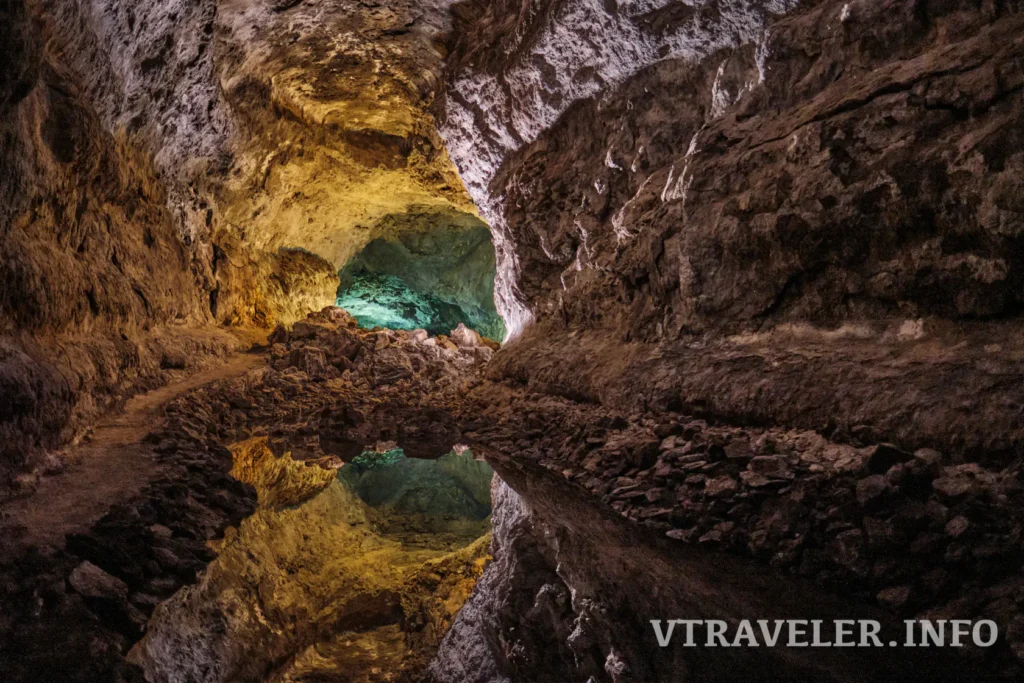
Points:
(90, 581)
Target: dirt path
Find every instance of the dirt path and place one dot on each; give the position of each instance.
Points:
(111, 467)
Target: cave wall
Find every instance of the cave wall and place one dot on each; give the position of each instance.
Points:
(450, 257)
(517, 68)
(806, 217)
(846, 161)
(170, 166)
(335, 139)
(839, 176)
(98, 283)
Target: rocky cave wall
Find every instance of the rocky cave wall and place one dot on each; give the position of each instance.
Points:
(451, 259)
(335, 139)
(97, 283)
(168, 166)
(835, 171)
(273, 125)
(788, 215)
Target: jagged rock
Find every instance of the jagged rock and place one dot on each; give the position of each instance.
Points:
(870, 489)
(720, 486)
(954, 487)
(884, 456)
(957, 526)
(769, 466)
(311, 360)
(894, 598)
(847, 550)
(92, 582)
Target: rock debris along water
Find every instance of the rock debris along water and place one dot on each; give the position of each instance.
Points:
(758, 267)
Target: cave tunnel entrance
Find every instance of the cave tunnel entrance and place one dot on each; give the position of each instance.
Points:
(429, 271)
(442, 503)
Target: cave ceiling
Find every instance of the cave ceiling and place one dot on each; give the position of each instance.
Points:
(331, 103)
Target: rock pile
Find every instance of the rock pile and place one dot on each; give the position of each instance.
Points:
(916, 533)
(329, 391)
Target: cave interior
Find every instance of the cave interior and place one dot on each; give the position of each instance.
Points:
(480, 341)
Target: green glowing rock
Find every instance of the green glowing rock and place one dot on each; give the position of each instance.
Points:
(387, 301)
(369, 460)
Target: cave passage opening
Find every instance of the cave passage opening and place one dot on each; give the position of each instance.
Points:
(427, 271)
(439, 503)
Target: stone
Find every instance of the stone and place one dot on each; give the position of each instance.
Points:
(884, 456)
(465, 337)
(739, 449)
(713, 536)
(719, 487)
(954, 487)
(881, 534)
(656, 494)
(90, 581)
(847, 550)
(957, 526)
(311, 360)
(870, 489)
(894, 598)
(770, 466)
(928, 457)
(755, 480)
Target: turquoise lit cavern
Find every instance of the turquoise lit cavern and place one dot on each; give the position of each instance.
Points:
(434, 276)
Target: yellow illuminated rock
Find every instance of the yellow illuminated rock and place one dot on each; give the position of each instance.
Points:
(340, 147)
(309, 582)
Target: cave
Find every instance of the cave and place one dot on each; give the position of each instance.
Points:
(494, 341)
(432, 273)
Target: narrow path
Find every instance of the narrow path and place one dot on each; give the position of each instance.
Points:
(109, 468)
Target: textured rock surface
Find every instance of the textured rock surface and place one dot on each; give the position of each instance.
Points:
(815, 176)
(820, 235)
(190, 162)
(454, 262)
(98, 285)
(562, 600)
(72, 614)
(762, 262)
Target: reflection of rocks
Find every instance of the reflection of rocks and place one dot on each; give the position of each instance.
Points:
(70, 614)
(562, 601)
(871, 523)
(444, 501)
(315, 582)
(158, 542)
(278, 480)
(519, 616)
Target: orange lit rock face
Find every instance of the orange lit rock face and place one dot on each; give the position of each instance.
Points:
(155, 159)
(100, 295)
(279, 480)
